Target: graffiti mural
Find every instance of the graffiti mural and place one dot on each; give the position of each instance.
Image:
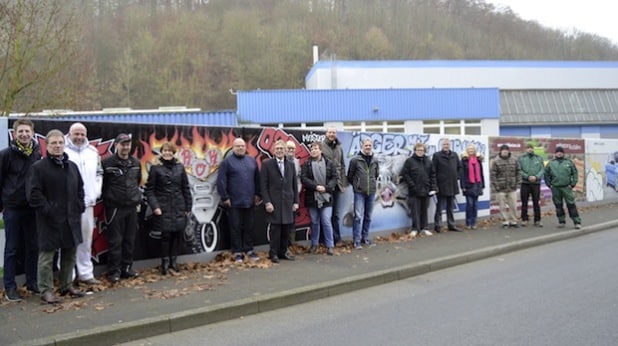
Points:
(601, 169)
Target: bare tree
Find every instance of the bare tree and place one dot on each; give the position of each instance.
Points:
(37, 42)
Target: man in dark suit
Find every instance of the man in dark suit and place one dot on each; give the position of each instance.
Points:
(279, 188)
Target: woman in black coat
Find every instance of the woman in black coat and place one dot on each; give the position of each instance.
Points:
(419, 175)
(169, 196)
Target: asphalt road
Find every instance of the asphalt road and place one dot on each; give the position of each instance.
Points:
(564, 293)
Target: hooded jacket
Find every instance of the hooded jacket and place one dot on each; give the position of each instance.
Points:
(88, 161)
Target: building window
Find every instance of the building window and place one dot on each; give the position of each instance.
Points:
(452, 127)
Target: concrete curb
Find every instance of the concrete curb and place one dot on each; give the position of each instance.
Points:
(153, 326)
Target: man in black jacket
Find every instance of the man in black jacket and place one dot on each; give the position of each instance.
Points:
(18, 216)
(55, 189)
(447, 167)
(122, 174)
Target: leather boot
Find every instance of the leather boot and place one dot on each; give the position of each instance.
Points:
(173, 264)
(128, 273)
(50, 298)
(165, 265)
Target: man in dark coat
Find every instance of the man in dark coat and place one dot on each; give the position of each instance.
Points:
(122, 175)
(447, 167)
(18, 216)
(56, 191)
(280, 195)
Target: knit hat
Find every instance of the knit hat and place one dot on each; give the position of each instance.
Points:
(560, 149)
(504, 147)
(121, 138)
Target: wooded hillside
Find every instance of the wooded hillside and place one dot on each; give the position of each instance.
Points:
(148, 53)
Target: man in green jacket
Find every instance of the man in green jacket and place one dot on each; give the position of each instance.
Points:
(532, 167)
(561, 177)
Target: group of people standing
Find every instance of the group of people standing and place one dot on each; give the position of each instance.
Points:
(48, 208)
(242, 187)
(47, 203)
(438, 176)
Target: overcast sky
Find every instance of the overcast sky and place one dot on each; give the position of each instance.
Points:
(592, 16)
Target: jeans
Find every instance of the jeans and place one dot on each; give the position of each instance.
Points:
(321, 217)
(471, 210)
(363, 207)
(335, 215)
(21, 237)
(240, 221)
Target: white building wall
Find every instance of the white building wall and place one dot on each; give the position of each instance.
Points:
(504, 78)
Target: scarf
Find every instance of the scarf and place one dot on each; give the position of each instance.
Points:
(27, 150)
(319, 175)
(474, 170)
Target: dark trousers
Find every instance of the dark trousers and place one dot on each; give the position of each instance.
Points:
(533, 190)
(21, 238)
(450, 218)
(240, 221)
(278, 239)
(120, 236)
(334, 220)
(169, 244)
(419, 207)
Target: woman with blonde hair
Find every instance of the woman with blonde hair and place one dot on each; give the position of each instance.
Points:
(472, 182)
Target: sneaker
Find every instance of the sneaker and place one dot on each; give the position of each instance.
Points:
(514, 225)
(524, 223)
(426, 232)
(11, 295)
(358, 246)
(368, 243)
(561, 225)
(505, 225)
(238, 258)
(253, 256)
(473, 226)
(538, 224)
(413, 234)
(330, 251)
(578, 226)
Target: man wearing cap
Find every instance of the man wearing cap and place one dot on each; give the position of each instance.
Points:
(532, 168)
(88, 160)
(122, 174)
(505, 178)
(561, 178)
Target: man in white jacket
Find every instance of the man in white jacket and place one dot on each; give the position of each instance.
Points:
(88, 160)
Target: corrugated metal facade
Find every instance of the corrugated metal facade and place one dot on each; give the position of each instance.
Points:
(222, 118)
(558, 106)
(308, 106)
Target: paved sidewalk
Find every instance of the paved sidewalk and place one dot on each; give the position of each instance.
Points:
(222, 290)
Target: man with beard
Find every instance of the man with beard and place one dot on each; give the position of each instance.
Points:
(88, 160)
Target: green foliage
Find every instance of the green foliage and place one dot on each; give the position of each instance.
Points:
(145, 54)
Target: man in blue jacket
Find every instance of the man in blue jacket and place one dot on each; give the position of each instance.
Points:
(238, 183)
